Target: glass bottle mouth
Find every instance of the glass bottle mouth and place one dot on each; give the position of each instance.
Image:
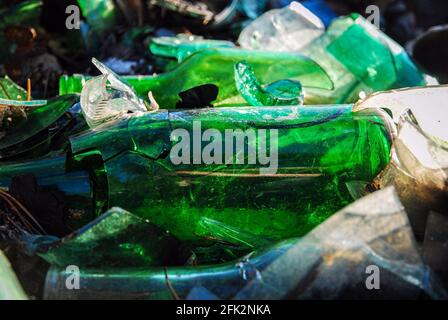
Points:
(385, 116)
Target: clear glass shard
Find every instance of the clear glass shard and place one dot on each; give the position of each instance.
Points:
(107, 97)
(419, 171)
(288, 29)
(426, 103)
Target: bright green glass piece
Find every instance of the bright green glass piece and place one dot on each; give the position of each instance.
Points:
(100, 14)
(360, 58)
(280, 93)
(216, 66)
(356, 56)
(10, 288)
(182, 46)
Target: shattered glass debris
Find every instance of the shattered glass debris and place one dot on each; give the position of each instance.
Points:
(419, 160)
(333, 68)
(100, 103)
(216, 66)
(426, 105)
(234, 149)
(372, 231)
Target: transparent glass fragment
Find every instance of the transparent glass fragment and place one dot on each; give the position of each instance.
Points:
(332, 261)
(419, 171)
(107, 97)
(427, 105)
(287, 29)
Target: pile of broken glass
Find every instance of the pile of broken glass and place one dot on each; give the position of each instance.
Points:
(303, 162)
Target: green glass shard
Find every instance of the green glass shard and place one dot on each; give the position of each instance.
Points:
(182, 46)
(280, 93)
(117, 238)
(373, 231)
(360, 58)
(355, 55)
(100, 14)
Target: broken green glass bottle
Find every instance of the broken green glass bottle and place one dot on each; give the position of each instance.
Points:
(182, 46)
(225, 280)
(216, 66)
(270, 173)
(378, 64)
